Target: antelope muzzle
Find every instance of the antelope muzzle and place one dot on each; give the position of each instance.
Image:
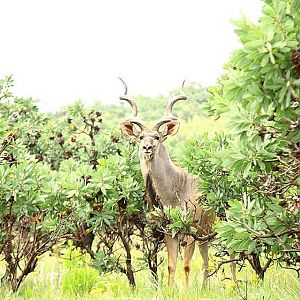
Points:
(147, 147)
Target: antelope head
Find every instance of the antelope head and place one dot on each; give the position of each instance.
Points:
(151, 139)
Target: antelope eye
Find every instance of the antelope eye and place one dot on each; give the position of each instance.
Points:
(156, 137)
(141, 137)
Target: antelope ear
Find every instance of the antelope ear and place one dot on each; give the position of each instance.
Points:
(127, 128)
(171, 129)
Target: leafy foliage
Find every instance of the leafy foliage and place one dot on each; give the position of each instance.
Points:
(70, 176)
(251, 175)
(61, 179)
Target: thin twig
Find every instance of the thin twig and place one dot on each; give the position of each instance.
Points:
(221, 264)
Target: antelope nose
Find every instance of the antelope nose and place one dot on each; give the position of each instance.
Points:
(147, 148)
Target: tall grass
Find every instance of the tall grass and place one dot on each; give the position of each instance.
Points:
(53, 279)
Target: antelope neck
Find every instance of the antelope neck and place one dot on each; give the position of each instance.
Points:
(163, 174)
(161, 163)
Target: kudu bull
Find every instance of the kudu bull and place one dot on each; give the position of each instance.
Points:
(171, 185)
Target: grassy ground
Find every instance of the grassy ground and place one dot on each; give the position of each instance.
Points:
(54, 279)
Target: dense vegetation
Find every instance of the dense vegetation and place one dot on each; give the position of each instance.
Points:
(71, 184)
(251, 175)
(69, 176)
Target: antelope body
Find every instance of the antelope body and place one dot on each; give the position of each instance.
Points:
(170, 184)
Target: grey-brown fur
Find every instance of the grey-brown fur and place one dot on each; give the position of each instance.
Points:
(173, 186)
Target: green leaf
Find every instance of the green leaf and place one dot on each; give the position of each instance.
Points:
(272, 58)
(72, 193)
(247, 170)
(265, 60)
(252, 246)
(279, 45)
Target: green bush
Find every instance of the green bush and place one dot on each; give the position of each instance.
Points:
(251, 175)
